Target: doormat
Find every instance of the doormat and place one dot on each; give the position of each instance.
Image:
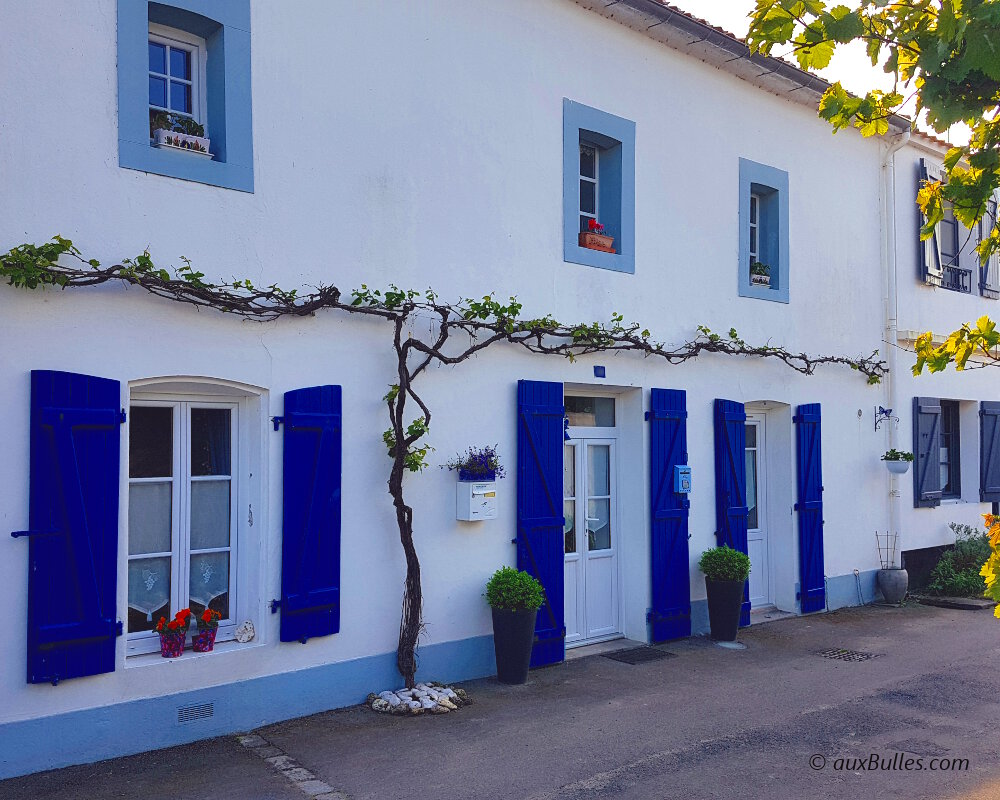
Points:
(638, 655)
(840, 654)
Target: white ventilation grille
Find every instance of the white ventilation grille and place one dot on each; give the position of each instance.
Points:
(196, 712)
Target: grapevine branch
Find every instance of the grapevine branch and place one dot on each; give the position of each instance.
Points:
(458, 332)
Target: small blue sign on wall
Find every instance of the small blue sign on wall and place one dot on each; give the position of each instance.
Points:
(682, 479)
(600, 372)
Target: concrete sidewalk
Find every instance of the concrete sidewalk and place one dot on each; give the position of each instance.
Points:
(704, 723)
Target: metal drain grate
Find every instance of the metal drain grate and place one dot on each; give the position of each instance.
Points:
(196, 712)
(638, 655)
(840, 654)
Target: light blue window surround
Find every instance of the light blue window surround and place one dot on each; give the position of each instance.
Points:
(771, 187)
(225, 27)
(614, 139)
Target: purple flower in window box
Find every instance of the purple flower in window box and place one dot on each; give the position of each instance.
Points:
(477, 464)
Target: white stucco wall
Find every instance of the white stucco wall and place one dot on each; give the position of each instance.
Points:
(422, 146)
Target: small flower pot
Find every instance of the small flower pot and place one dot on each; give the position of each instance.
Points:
(725, 602)
(467, 475)
(513, 636)
(897, 467)
(172, 644)
(204, 640)
(760, 280)
(596, 241)
(185, 142)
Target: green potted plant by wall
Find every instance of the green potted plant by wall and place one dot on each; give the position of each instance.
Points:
(897, 461)
(515, 597)
(726, 572)
(760, 274)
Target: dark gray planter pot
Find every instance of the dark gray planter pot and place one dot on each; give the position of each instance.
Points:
(893, 583)
(725, 601)
(513, 636)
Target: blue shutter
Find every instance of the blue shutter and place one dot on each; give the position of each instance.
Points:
(310, 544)
(931, 268)
(670, 617)
(731, 483)
(927, 449)
(540, 541)
(989, 451)
(809, 464)
(73, 516)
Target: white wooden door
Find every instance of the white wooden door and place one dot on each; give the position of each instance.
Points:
(591, 540)
(757, 541)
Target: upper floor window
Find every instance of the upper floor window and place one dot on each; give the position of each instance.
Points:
(598, 188)
(588, 187)
(184, 90)
(175, 75)
(763, 213)
(948, 258)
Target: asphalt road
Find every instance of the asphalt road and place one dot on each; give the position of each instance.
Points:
(776, 720)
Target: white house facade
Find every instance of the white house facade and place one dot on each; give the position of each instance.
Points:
(150, 457)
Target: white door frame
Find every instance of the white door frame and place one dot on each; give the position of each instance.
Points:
(759, 419)
(580, 437)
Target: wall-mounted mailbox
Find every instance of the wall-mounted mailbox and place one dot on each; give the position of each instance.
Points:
(682, 479)
(476, 500)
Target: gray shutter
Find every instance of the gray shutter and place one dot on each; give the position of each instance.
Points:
(989, 273)
(931, 270)
(989, 451)
(927, 449)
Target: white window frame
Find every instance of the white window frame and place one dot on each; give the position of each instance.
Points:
(595, 180)
(198, 48)
(754, 228)
(141, 642)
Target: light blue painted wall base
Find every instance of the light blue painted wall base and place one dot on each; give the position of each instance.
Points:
(137, 726)
(841, 592)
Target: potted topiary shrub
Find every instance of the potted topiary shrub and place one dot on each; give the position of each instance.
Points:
(177, 132)
(760, 274)
(515, 597)
(726, 571)
(897, 461)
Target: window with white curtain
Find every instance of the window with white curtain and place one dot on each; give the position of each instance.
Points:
(182, 532)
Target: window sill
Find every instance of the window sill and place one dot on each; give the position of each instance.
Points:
(185, 166)
(150, 659)
(758, 292)
(617, 262)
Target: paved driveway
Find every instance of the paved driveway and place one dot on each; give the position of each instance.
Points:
(776, 720)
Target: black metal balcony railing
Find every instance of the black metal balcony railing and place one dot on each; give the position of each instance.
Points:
(957, 279)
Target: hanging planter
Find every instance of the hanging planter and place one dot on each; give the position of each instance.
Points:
(897, 461)
(478, 469)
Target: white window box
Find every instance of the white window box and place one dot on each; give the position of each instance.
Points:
(185, 142)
